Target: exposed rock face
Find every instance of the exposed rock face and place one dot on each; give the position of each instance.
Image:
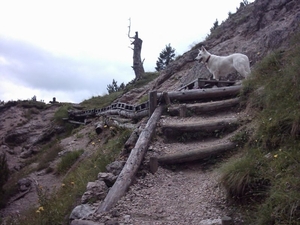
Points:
(22, 129)
(255, 30)
(31, 134)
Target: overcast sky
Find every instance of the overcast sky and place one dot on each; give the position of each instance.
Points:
(72, 50)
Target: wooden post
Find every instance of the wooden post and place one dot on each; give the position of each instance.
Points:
(166, 98)
(132, 164)
(152, 101)
(153, 164)
(182, 110)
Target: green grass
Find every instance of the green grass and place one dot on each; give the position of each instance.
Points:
(106, 100)
(147, 78)
(267, 174)
(68, 160)
(100, 101)
(48, 153)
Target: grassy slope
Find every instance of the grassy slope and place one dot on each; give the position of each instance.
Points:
(267, 175)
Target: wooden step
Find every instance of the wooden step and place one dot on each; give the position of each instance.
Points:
(198, 108)
(204, 83)
(194, 154)
(198, 129)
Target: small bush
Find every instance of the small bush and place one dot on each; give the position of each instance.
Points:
(61, 113)
(244, 180)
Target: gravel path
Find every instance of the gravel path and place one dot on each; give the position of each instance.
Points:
(186, 194)
(180, 194)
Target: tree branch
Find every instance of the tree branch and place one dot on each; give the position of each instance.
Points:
(129, 29)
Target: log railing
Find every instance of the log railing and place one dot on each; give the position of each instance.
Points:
(146, 108)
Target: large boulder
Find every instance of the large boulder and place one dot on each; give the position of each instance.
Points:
(81, 212)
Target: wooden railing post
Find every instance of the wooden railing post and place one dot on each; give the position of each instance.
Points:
(152, 102)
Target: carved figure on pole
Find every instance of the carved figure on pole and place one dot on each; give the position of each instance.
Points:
(137, 48)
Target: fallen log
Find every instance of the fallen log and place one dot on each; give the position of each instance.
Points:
(195, 154)
(206, 107)
(132, 164)
(199, 94)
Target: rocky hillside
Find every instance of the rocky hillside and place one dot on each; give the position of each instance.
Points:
(255, 30)
(191, 191)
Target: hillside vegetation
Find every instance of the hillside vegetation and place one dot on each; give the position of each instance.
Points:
(266, 178)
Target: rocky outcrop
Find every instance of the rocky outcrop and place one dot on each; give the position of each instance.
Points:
(23, 129)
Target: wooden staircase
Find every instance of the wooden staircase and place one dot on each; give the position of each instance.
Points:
(202, 130)
(196, 128)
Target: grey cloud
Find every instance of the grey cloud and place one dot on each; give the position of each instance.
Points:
(37, 68)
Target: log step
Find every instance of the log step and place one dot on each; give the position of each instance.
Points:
(204, 83)
(206, 107)
(194, 154)
(202, 94)
(199, 129)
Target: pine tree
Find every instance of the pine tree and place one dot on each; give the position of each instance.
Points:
(165, 57)
(113, 87)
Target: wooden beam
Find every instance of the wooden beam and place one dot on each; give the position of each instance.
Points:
(195, 154)
(132, 164)
(208, 126)
(200, 94)
(206, 107)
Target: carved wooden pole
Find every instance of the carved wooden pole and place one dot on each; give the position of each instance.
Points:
(137, 48)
